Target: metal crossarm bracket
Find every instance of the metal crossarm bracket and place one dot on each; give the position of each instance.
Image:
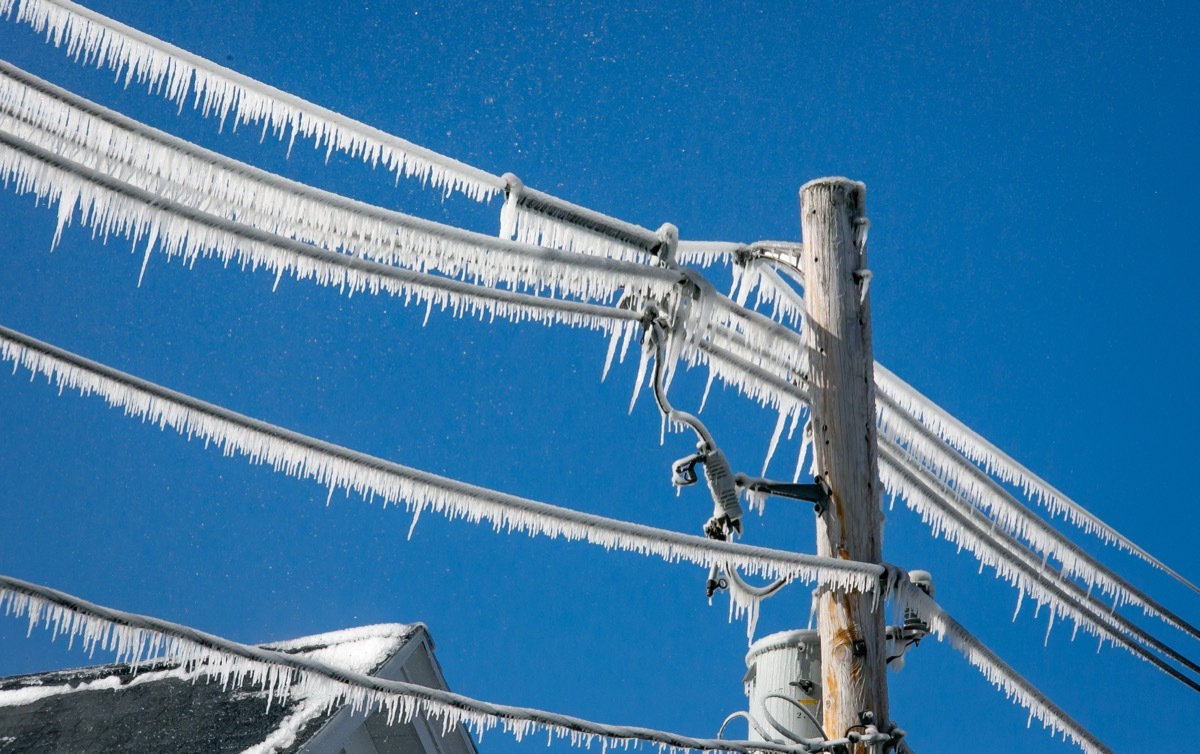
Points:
(817, 493)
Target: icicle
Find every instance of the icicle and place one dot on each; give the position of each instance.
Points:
(806, 437)
(774, 440)
(640, 381)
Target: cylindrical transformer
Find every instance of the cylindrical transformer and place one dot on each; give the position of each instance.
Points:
(788, 664)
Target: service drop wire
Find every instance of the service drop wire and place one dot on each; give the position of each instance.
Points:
(137, 639)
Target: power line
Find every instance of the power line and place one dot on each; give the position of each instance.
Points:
(334, 466)
(136, 639)
(997, 671)
(177, 73)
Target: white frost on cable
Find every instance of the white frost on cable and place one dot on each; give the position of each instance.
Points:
(946, 469)
(995, 462)
(336, 467)
(137, 639)
(159, 164)
(92, 38)
(524, 226)
(999, 673)
(952, 521)
(176, 231)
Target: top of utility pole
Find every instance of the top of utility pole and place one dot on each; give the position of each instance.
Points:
(842, 391)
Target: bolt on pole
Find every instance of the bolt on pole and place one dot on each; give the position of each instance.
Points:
(838, 337)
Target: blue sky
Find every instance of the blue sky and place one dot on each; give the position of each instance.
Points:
(1030, 173)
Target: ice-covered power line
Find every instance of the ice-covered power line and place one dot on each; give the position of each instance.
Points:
(999, 673)
(64, 123)
(111, 206)
(962, 524)
(954, 480)
(179, 75)
(136, 639)
(337, 467)
(216, 90)
(979, 450)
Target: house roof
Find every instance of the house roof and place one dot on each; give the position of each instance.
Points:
(160, 707)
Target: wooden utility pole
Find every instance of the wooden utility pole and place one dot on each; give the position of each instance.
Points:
(841, 375)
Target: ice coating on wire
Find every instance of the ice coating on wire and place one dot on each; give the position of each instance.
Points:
(995, 462)
(178, 75)
(135, 639)
(999, 673)
(971, 484)
(958, 522)
(111, 207)
(341, 468)
(159, 164)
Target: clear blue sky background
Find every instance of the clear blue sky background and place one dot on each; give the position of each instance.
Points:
(1031, 185)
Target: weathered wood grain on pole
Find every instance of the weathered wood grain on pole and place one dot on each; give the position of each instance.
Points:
(838, 336)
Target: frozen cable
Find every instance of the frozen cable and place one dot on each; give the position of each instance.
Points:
(336, 467)
(807, 713)
(967, 527)
(998, 672)
(93, 38)
(979, 450)
(137, 638)
(97, 138)
(754, 724)
(112, 206)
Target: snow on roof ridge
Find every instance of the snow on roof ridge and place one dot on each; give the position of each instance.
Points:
(362, 649)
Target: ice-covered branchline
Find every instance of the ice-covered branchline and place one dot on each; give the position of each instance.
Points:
(137, 638)
(756, 276)
(179, 75)
(963, 480)
(998, 672)
(337, 467)
(523, 226)
(995, 462)
(960, 523)
(158, 163)
(707, 253)
(112, 207)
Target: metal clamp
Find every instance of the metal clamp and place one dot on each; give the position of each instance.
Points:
(819, 493)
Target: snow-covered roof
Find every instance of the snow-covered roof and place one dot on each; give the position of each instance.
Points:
(161, 707)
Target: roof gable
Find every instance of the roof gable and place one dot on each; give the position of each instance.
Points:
(162, 707)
